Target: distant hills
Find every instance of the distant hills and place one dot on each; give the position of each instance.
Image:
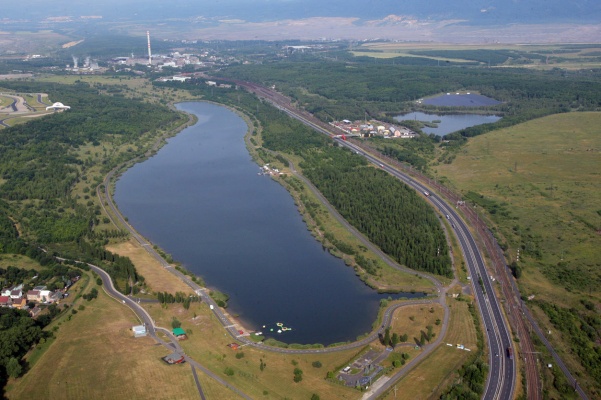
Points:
(473, 12)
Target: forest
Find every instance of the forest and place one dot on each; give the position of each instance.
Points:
(376, 90)
(40, 163)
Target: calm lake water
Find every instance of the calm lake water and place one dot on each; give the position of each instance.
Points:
(200, 199)
(448, 123)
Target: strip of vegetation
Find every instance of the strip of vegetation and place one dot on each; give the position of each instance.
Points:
(472, 375)
(582, 328)
(388, 212)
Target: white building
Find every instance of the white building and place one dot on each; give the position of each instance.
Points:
(58, 106)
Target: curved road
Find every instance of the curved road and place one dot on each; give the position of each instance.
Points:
(105, 197)
(151, 328)
(501, 380)
(500, 383)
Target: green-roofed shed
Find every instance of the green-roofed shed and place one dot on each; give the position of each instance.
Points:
(179, 332)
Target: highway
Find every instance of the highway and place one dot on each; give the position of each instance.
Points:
(500, 383)
(502, 370)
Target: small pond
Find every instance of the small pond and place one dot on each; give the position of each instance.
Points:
(446, 124)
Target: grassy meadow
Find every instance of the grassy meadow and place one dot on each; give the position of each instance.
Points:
(95, 356)
(208, 342)
(437, 372)
(540, 182)
(543, 56)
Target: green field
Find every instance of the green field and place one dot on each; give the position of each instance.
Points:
(95, 356)
(506, 55)
(539, 183)
(208, 342)
(435, 373)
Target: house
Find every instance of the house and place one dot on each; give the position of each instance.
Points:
(20, 303)
(5, 301)
(45, 295)
(8, 291)
(34, 311)
(33, 295)
(55, 297)
(139, 330)
(179, 333)
(174, 358)
(16, 293)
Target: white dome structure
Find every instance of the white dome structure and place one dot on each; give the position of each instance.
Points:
(58, 106)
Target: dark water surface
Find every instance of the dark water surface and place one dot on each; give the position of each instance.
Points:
(449, 123)
(201, 200)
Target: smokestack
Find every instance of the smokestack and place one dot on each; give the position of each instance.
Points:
(149, 53)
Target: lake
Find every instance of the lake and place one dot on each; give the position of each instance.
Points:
(450, 122)
(201, 200)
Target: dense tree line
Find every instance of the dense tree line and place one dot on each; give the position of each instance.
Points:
(362, 87)
(583, 330)
(40, 162)
(18, 332)
(388, 212)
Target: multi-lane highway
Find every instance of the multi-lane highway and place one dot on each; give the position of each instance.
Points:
(500, 383)
(501, 379)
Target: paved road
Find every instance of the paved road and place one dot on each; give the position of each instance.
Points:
(229, 325)
(153, 330)
(500, 383)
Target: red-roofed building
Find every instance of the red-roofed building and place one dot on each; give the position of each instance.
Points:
(5, 301)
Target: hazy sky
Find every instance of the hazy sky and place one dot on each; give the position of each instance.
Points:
(475, 11)
(467, 21)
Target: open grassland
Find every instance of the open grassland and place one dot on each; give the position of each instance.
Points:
(544, 56)
(208, 342)
(543, 178)
(411, 320)
(129, 87)
(215, 390)
(40, 41)
(5, 101)
(156, 277)
(19, 261)
(437, 371)
(95, 356)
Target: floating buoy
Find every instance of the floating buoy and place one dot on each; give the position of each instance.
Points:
(279, 324)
